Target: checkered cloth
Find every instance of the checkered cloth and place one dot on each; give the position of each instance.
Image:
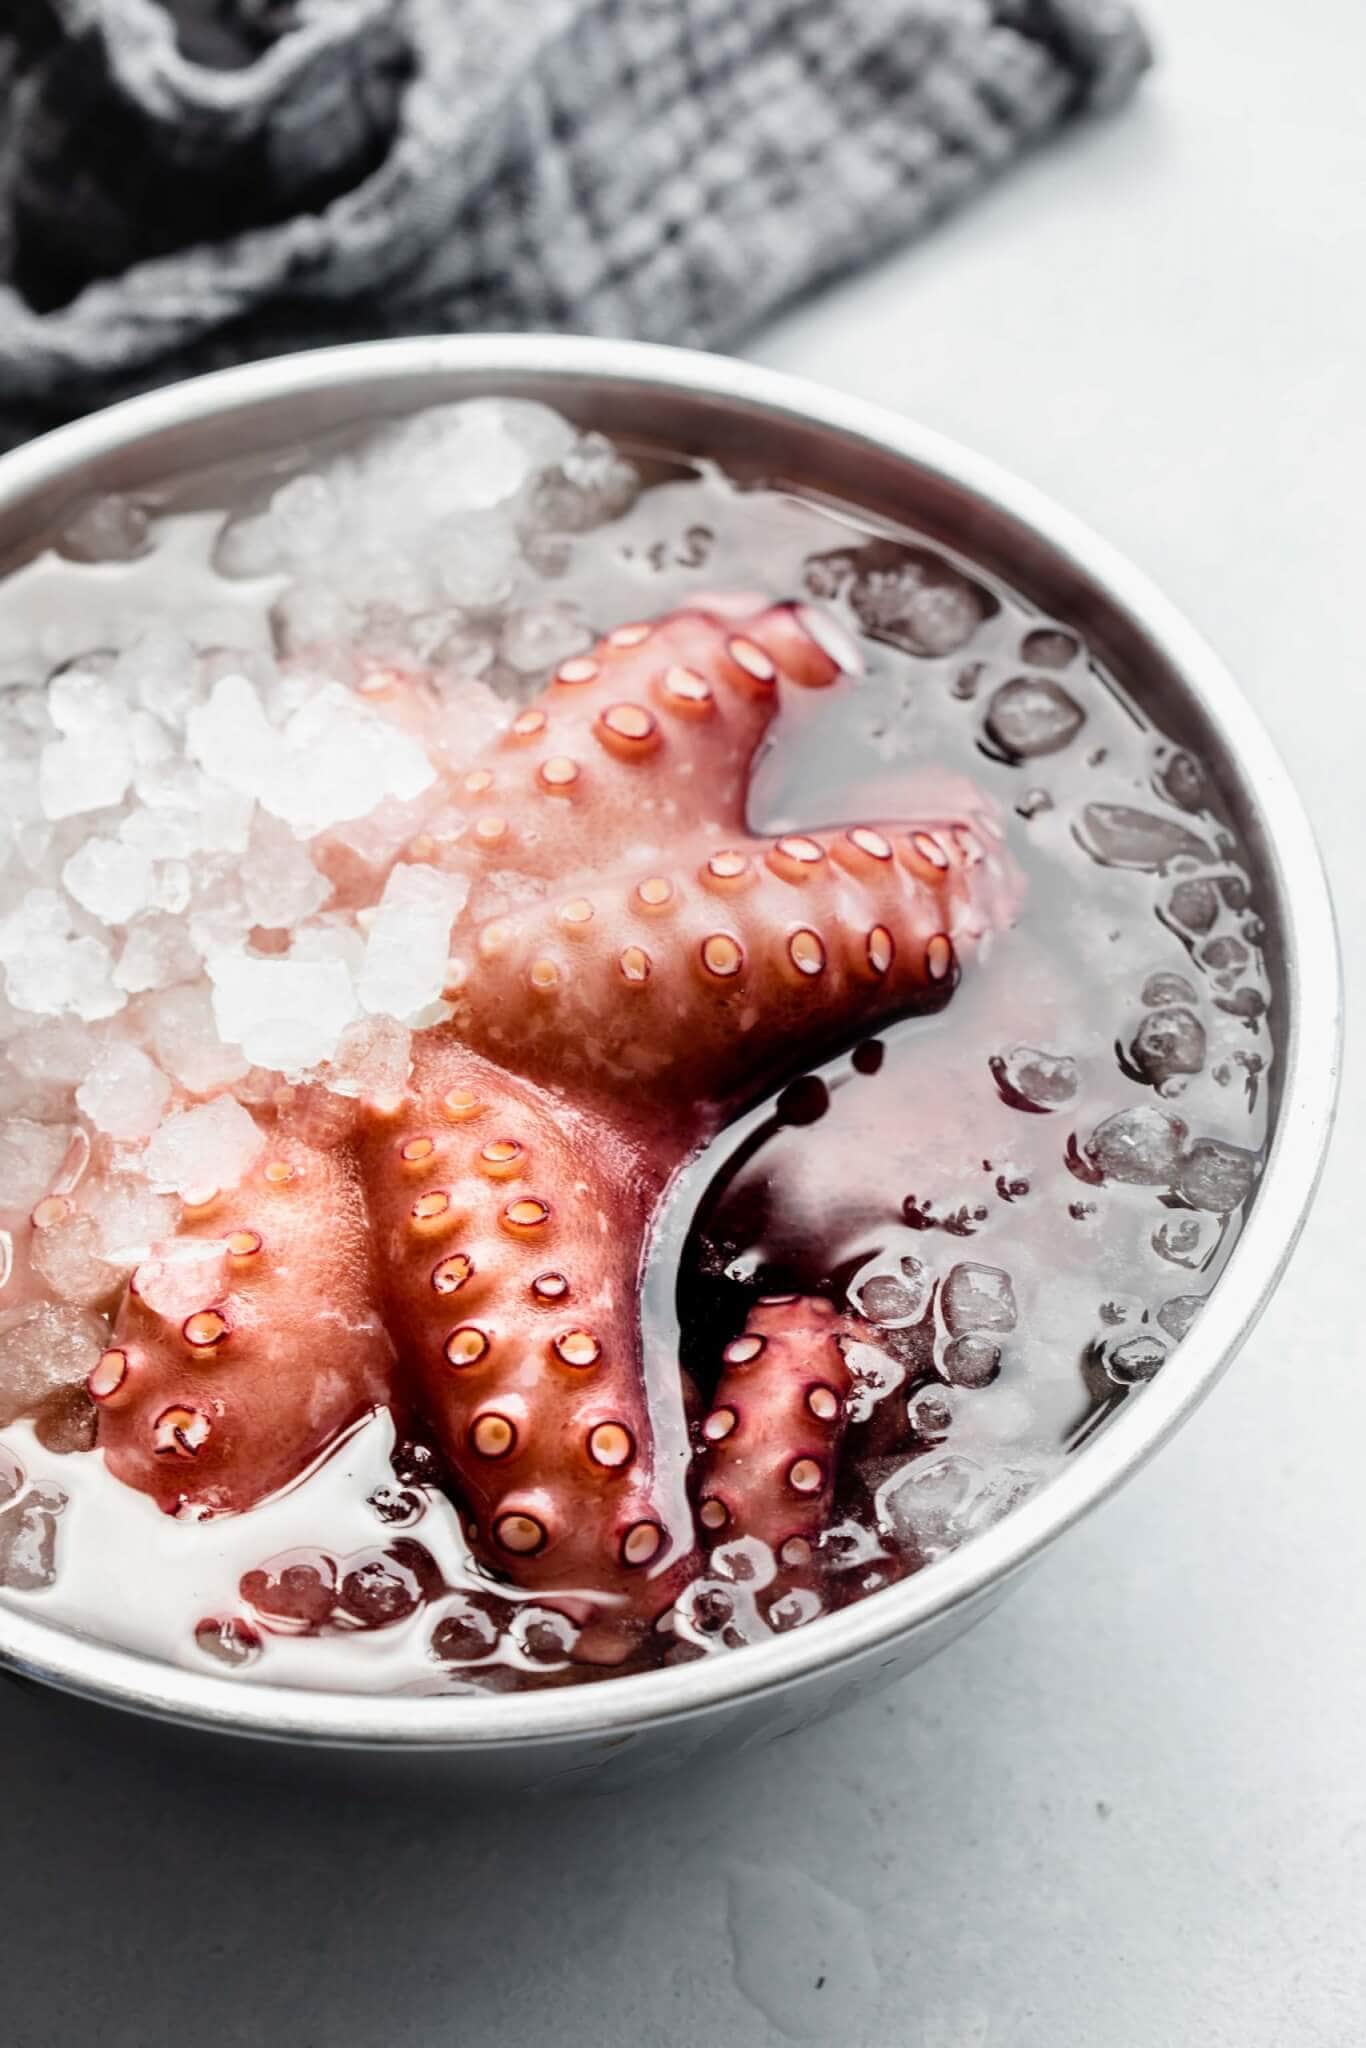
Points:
(185, 183)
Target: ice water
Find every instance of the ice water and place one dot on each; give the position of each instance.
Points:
(1027, 1196)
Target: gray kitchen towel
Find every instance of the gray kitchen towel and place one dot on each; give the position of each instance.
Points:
(185, 183)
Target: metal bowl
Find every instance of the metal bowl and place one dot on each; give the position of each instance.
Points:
(752, 420)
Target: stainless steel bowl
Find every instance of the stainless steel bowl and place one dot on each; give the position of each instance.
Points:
(753, 420)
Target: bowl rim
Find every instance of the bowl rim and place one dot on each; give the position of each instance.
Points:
(1310, 1057)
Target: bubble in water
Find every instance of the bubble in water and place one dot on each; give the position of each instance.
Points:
(1118, 836)
(1139, 1146)
(1216, 1176)
(1032, 715)
(1032, 1080)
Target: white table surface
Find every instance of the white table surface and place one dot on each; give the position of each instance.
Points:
(1130, 1809)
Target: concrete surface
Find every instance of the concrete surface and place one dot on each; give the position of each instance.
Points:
(1131, 1809)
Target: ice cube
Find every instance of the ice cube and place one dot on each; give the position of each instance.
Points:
(927, 1502)
(409, 941)
(1028, 1079)
(279, 881)
(90, 767)
(978, 1298)
(970, 1361)
(305, 518)
(157, 671)
(39, 916)
(545, 436)
(28, 1540)
(345, 760)
(1118, 836)
(284, 1012)
(31, 1156)
(1032, 715)
(478, 564)
(43, 1348)
(47, 969)
(543, 635)
(53, 1056)
(198, 1151)
(186, 1041)
(1168, 1042)
(84, 704)
(108, 529)
(892, 1291)
(1216, 1176)
(590, 485)
(231, 738)
(1139, 1146)
(909, 596)
(111, 880)
(246, 546)
(372, 1060)
(67, 1257)
(1135, 1357)
(180, 1277)
(130, 1216)
(124, 1094)
(1177, 1315)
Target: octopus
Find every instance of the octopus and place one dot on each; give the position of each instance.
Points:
(468, 1251)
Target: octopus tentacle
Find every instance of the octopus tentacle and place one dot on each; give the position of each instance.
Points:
(245, 1350)
(771, 1439)
(733, 958)
(510, 1231)
(660, 719)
